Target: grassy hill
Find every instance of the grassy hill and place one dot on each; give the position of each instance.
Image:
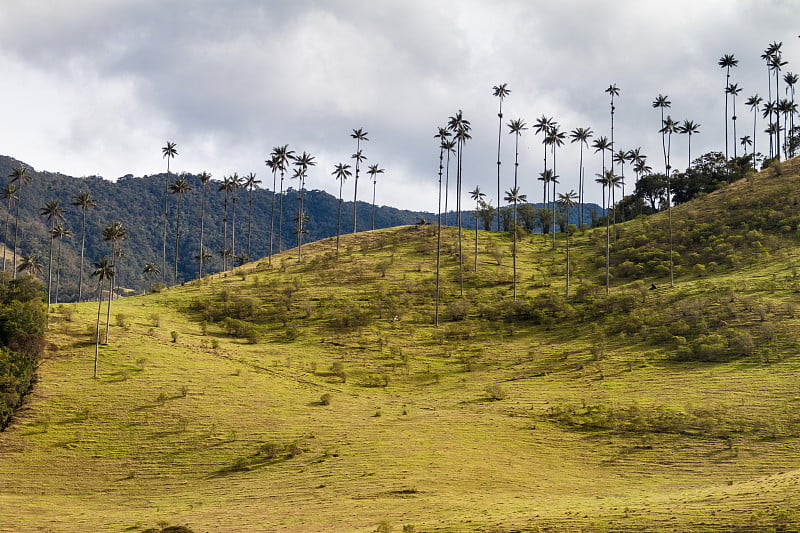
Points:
(319, 396)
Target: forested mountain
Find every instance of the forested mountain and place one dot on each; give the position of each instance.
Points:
(138, 203)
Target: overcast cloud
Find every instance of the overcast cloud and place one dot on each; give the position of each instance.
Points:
(99, 86)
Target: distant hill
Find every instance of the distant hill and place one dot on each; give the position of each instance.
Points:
(137, 202)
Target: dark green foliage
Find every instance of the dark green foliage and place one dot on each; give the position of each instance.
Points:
(23, 318)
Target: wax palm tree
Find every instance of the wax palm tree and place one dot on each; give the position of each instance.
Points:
(30, 264)
(373, 173)
(20, 176)
(754, 102)
(283, 156)
(460, 127)
(515, 127)
(767, 111)
(745, 142)
(689, 128)
(637, 160)
(546, 177)
(620, 157)
(168, 152)
(513, 196)
(226, 187)
(734, 89)
(500, 91)
(790, 79)
(237, 183)
(669, 128)
(662, 102)
(602, 145)
(60, 232)
(8, 193)
(273, 165)
(606, 180)
(302, 163)
(477, 196)
(786, 108)
(113, 233)
(340, 172)
(225, 253)
(727, 62)
(151, 270)
(543, 125)
(359, 135)
(103, 271)
(612, 91)
(555, 139)
(442, 135)
(567, 202)
(581, 136)
(250, 183)
(83, 201)
(53, 211)
(444, 144)
(205, 178)
(179, 187)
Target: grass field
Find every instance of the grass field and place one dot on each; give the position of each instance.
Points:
(335, 404)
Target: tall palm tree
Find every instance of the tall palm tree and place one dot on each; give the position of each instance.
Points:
(790, 79)
(555, 139)
(662, 102)
(543, 125)
(283, 156)
(515, 127)
(302, 162)
(786, 107)
(373, 173)
(689, 128)
(83, 201)
(359, 135)
(205, 178)
(444, 144)
(619, 157)
(103, 271)
(20, 176)
(30, 264)
(767, 110)
(582, 136)
(226, 187)
(727, 61)
(168, 152)
(340, 172)
(114, 233)
(670, 127)
(612, 91)
(236, 183)
(546, 177)
(60, 232)
(179, 187)
(638, 160)
(500, 91)
(8, 193)
(745, 142)
(602, 145)
(477, 196)
(567, 202)
(274, 165)
(754, 102)
(606, 179)
(151, 270)
(53, 211)
(442, 135)
(250, 183)
(734, 89)
(460, 128)
(513, 196)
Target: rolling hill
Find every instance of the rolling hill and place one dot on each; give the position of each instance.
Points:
(320, 395)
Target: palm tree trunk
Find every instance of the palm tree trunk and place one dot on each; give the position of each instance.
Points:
(50, 269)
(458, 219)
(280, 217)
(567, 265)
(439, 237)
(110, 291)
(233, 225)
(355, 194)
(499, 135)
(249, 219)
(514, 249)
(339, 216)
(272, 220)
(97, 326)
(374, 185)
(225, 233)
(16, 232)
(202, 227)
(166, 221)
(83, 249)
(580, 187)
(177, 235)
(608, 242)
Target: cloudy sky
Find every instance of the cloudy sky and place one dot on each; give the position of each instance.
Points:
(99, 86)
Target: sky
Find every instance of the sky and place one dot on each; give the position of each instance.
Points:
(97, 87)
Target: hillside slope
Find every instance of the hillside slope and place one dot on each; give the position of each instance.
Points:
(319, 395)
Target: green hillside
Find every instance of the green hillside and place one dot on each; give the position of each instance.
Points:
(320, 396)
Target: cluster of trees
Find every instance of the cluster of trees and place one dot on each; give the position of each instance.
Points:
(652, 192)
(23, 319)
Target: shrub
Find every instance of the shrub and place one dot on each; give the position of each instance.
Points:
(325, 399)
(495, 392)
